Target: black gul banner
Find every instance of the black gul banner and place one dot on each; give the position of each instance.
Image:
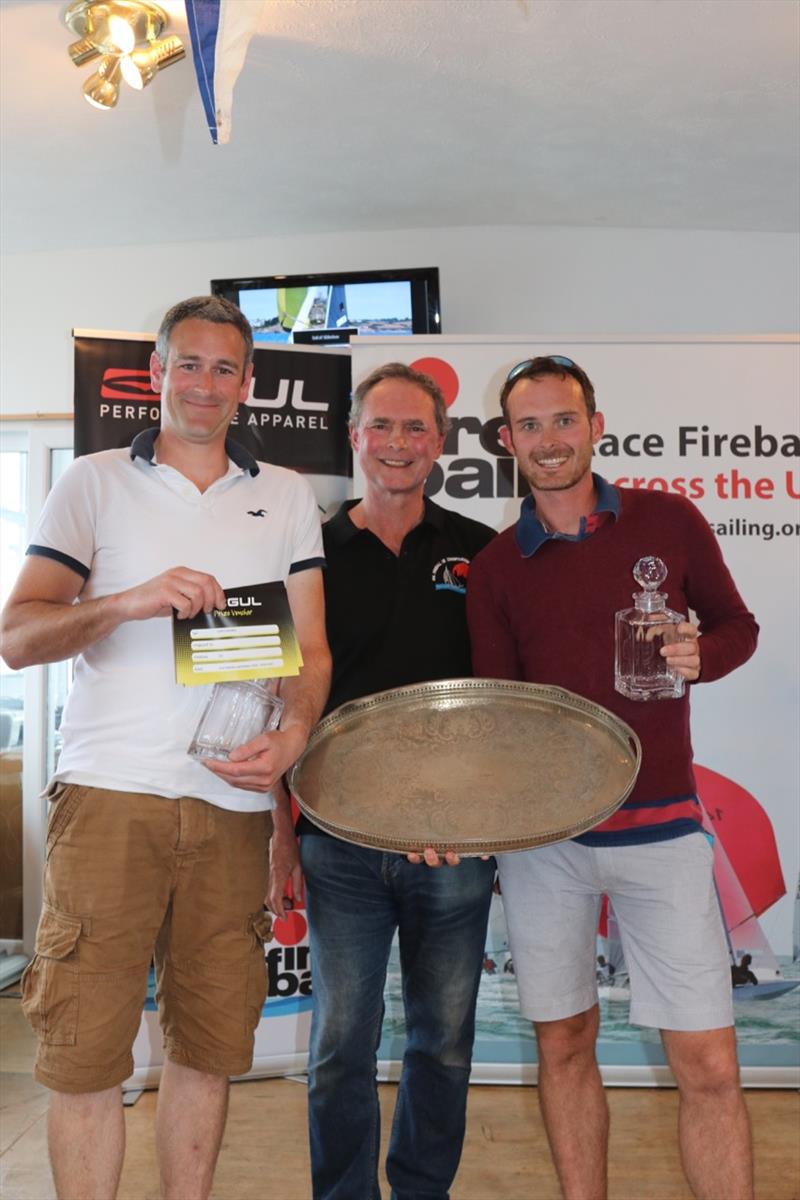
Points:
(253, 637)
(113, 398)
(295, 414)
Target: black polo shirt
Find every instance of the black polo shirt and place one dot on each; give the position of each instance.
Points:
(398, 619)
(393, 619)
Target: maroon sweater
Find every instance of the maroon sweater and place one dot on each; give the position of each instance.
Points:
(549, 618)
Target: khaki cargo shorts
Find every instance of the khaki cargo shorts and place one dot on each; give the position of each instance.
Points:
(129, 877)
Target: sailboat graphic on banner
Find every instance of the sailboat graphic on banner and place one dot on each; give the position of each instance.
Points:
(749, 880)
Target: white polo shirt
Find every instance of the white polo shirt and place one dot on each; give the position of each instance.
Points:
(119, 518)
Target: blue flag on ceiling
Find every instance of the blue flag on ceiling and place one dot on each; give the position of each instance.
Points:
(220, 31)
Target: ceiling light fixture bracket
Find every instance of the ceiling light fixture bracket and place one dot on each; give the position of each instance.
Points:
(128, 34)
(91, 19)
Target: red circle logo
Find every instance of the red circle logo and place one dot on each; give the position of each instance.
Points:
(291, 929)
(442, 373)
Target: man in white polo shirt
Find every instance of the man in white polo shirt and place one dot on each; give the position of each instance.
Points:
(150, 852)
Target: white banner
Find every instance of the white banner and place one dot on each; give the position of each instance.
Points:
(715, 419)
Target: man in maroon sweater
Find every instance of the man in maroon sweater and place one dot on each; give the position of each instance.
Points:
(541, 604)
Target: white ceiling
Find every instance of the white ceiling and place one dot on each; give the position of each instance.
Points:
(389, 114)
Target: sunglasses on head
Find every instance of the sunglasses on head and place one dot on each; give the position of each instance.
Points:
(558, 359)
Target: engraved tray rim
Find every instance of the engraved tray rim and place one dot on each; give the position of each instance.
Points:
(393, 698)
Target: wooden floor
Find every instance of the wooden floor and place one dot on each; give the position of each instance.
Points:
(264, 1154)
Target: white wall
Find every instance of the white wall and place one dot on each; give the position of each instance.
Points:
(494, 280)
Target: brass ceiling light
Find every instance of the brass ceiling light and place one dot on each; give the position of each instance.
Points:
(102, 88)
(82, 52)
(126, 36)
(141, 66)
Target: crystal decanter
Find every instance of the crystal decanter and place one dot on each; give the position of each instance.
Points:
(640, 672)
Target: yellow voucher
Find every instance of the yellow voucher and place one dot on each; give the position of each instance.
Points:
(253, 637)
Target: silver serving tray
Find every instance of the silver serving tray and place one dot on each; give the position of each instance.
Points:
(479, 766)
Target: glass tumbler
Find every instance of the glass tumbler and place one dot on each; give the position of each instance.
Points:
(236, 712)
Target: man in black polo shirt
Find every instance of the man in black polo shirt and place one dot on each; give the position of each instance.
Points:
(394, 594)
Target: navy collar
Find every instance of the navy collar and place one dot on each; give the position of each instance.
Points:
(144, 446)
(342, 529)
(530, 533)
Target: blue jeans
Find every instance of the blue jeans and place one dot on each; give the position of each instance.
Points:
(356, 899)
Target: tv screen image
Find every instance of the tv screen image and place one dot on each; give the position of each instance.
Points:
(334, 307)
(279, 314)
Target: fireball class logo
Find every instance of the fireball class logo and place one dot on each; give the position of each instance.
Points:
(126, 395)
(450, 575)
(288, 966)
(474, 461)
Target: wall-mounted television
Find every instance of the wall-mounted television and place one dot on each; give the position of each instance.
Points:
(332, 307)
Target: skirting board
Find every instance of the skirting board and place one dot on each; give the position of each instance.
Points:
(495, 1073)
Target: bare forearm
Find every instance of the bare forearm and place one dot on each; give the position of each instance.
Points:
(41, 623)
(305, 694)
(40, 631)
(282, 812)
(284, 857)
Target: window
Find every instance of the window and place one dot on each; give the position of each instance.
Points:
(32, 456)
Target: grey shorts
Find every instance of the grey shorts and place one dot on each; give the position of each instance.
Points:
(669, 920)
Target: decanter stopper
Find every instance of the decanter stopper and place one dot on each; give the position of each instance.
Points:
(649, 572)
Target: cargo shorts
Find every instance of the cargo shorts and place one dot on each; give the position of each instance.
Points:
(131, 877)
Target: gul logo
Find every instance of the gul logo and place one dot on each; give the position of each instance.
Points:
(287, 409)
(288, 967)
(131, 385)
(450, 575)
(125, 383)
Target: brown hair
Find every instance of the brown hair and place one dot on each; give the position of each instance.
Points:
(539, 368)
(204, 308)
(398, 370)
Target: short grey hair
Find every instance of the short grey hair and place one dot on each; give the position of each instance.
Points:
(204, 308)
(398, 370)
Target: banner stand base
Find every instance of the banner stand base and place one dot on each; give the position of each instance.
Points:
(293, 1067)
